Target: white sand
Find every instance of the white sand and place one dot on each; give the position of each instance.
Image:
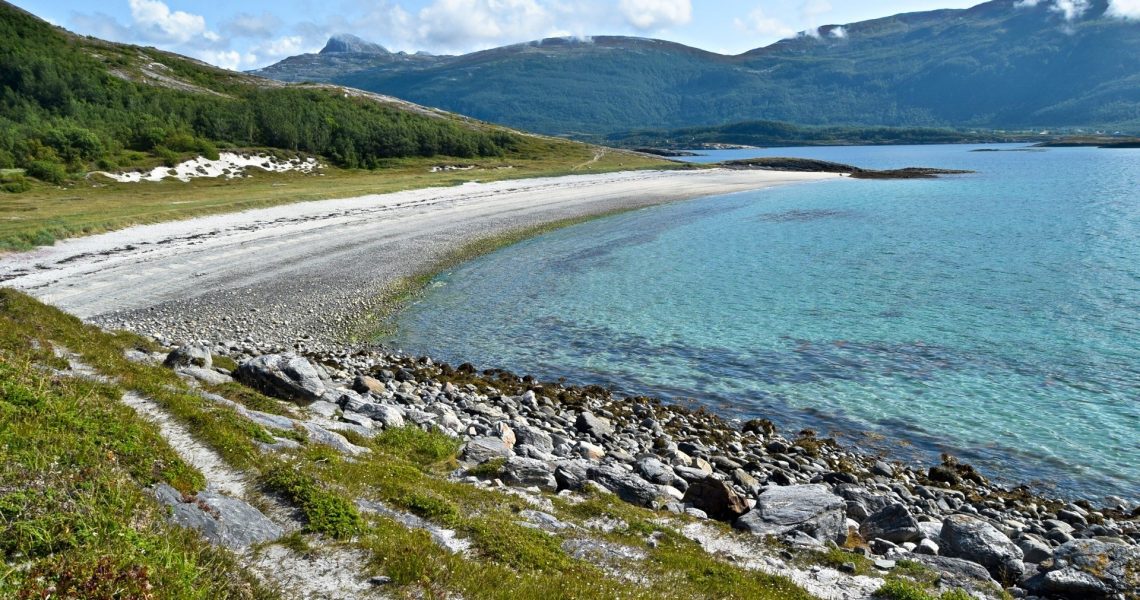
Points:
(315, 264)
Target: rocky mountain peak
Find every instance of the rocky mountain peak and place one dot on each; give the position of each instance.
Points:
(345, 43)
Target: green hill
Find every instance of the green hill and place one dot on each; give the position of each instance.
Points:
(69, 103)
(996, 65)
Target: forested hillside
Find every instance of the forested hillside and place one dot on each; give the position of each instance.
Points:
(1003, 64)
(68, 104)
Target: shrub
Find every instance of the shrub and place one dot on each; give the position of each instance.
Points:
(50, 172)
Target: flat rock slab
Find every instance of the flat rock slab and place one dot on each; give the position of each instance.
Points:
(221, 519)
(812, 509)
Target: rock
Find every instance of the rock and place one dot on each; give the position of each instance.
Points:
(628, 486)
(810, 508)
(975, 540)
(958, 573)
(599, 427)
(538, 439)
(716, 498)
(285, 376)
(1092, 569)
(332, 439)
(927, 546)
(505, 433)
(591, 451)
(323, 408)
(525, 472)
(387, 415)
(483, 449)
(1069, 582)
(1033, 549)
(220, 519)
(364, 384)
(205, 375)
(882, 469)
(189, 355)
(893, 523)
(356, 418)
(655, 471)
(570, 474)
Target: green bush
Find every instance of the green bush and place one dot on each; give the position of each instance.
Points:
(50, 172)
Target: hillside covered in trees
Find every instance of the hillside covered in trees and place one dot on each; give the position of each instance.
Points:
(69, 104)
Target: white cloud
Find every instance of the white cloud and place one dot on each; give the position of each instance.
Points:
(1070, 9)
(651, 15)
(227, 59)
(1124, 9)
(262, 26)
(462, 24)
(155, 21)
(760, 23)
(838, 33)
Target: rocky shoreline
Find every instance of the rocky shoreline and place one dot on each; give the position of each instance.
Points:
(801, 490)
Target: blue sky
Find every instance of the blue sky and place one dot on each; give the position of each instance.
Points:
(253, 33)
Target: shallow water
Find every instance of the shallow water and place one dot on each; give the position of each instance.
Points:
(995, 316)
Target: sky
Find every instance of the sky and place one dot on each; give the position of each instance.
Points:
(254, 33)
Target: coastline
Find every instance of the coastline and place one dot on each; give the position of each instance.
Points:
(305, 275)
(598, 439)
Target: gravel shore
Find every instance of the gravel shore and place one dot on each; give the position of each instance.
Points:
(304, 273)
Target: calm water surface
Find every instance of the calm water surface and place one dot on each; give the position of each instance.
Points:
(995, 316)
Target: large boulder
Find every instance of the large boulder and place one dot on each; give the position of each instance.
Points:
(958, 573)
(482, 449)
(1087, 568)
(527, 435)
(716, 498)
(285, 376)
(975, 540)
(893, 523)
(628, 486)
(812, 509)
(525, 472)
(220, 519)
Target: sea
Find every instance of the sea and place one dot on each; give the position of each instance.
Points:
(994, 316)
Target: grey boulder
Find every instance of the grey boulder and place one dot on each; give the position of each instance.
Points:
(716, 498)
(222, 520)
(975, 540)
(482, 449)
(628, 486)
(285, 376)
(519, 471)
(1087, 568)
(599, 427)
(812, 509)
(893, 523)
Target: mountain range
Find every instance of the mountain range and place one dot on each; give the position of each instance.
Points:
(1004, 64)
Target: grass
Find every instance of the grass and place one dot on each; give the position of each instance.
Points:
(48, 213)
(75, 521)
(73, 513)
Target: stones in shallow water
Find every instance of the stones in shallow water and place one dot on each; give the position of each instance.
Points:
(810, 508)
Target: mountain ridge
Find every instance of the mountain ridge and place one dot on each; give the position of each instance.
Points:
(995, 65)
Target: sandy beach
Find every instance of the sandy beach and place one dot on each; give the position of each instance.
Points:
(312, 268)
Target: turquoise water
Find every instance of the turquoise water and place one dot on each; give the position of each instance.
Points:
(995, 316)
